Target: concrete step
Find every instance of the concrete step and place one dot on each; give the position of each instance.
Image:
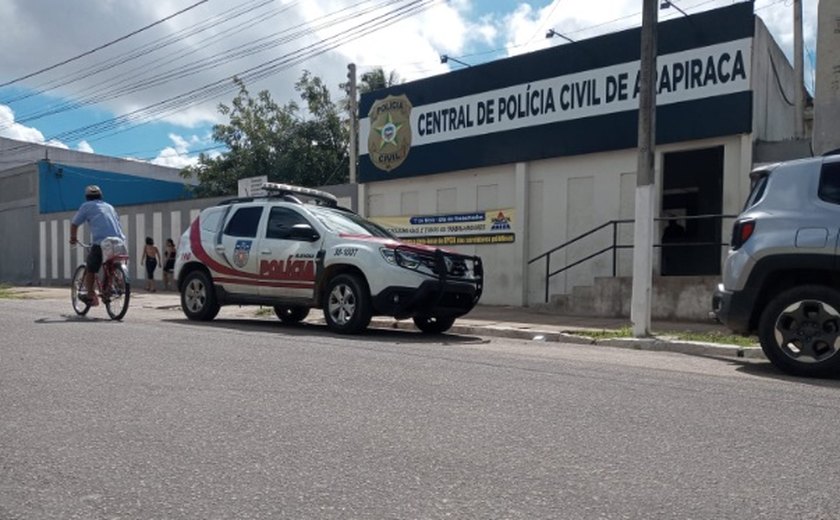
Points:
(681, 298)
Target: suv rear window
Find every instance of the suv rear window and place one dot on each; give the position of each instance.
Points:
(244, 222)
(829, 190)
(759, 183)
(280, 222)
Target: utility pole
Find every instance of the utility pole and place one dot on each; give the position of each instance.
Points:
(798, 70)
(640, 303)
(354, 121)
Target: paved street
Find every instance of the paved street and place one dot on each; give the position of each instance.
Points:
(158, 417)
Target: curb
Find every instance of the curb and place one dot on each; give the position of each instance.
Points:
(662, 344)
(655, 344)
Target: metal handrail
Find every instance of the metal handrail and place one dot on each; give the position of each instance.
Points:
(616, 246)
(579, 237)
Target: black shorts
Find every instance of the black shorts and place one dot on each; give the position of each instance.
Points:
(94, 259)
(151, 265)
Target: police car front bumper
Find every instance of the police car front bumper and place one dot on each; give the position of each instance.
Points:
(452, 291)
(432, 298)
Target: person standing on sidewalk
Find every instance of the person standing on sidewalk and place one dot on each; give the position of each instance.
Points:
(169, 252)
(104, 222)
(151, 259)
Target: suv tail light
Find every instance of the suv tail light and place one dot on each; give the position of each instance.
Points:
(742, 230)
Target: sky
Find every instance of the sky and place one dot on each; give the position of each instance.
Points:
(143, 80)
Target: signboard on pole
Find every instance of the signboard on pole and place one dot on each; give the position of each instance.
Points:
(252, 186)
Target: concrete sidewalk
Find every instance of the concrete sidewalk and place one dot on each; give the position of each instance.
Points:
(536, 324)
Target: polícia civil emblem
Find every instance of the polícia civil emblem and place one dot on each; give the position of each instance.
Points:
(389, 139)
(241, 253)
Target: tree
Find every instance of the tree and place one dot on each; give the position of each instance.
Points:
(375, 79)
(287, 144)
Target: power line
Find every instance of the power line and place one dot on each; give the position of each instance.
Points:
(99, 48)
(144, 50)
(106, 92)
(546, 19)
(109, 89)
(176, 103)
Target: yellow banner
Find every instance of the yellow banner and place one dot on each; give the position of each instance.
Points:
(456, 229)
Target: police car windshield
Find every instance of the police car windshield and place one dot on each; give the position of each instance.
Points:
(343, 222)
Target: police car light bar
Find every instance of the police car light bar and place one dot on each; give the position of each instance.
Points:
(281, 189)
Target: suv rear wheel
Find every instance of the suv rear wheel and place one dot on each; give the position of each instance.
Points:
(347, 307)
(198, 298)
(799, 331)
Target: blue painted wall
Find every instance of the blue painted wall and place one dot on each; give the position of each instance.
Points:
(62, 187)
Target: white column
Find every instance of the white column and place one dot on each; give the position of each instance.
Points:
(361, 199)
(80, 255)
(520, 227)
(175, 230)
(157, 234)
(66, 256)
(53, 249)
(42, 250)
(139, 243)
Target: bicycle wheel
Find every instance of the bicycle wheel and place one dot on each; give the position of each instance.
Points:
(118, 294)
(77, 287)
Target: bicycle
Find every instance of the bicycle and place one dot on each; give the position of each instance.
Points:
(113, 287)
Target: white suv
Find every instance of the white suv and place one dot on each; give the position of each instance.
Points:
(293, 255)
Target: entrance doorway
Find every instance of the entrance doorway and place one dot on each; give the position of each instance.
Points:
(692, 185)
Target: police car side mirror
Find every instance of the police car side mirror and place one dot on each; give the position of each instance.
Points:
(303, 232)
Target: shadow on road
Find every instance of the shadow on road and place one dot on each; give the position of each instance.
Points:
(372, 334)
(767, 370)
(72, 318)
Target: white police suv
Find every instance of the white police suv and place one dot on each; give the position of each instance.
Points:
(295, 249)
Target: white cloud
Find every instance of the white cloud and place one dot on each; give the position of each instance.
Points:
(84, 146)
(9, 128)
(411, 46)
(524, 29)
(176, 156)
(12, 130)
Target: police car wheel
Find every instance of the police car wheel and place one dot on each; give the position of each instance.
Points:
(291, 314)
(434, 324)
(347, 307)
(198, 297)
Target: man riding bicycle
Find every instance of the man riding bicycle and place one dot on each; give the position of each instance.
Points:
(104, 222)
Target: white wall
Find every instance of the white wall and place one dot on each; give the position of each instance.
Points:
(773, 110)
(565, 197)
(56, 260)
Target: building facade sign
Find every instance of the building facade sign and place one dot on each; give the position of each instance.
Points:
(567, 100)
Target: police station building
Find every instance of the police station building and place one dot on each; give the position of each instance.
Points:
(513, 158)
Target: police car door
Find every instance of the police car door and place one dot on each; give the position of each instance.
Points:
(235, 250)
(288, 249)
